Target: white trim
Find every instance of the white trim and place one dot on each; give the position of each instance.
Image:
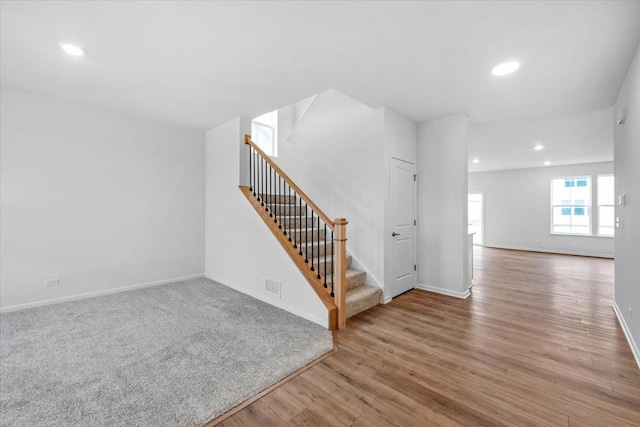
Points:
(279, 304)
(304, 116)
(581, 235)
(443, 291)
(549, 251)
(627, 333)
(95, 294)
(387, 299)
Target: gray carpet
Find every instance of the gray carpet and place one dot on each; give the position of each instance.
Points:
(173, 355)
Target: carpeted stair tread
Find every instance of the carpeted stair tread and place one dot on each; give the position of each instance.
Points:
(362, 298)
(319, 261)
(355, 278)
(280, 198)
(311, 242)
(319, 247)
(307, 235)
(294, 221)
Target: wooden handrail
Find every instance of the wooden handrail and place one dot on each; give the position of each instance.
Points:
(330, 223)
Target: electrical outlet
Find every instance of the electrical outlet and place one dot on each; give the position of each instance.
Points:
(630, 313)
(52, 282)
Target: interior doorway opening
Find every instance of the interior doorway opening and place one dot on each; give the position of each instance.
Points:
(475, 206)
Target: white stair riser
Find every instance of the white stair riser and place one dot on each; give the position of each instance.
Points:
(355, 306)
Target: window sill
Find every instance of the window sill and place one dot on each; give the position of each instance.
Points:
(581, 235)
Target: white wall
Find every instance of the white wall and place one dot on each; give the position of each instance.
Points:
(98, 199)
(241, 252)
(627, 172)
(517, 209)
(399, 138)
(442, 205)
(337, 158)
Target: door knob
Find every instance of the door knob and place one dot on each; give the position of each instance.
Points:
(394, 234)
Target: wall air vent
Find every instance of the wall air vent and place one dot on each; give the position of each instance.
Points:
(272, 287)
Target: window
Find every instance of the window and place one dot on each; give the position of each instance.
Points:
(606, 211)
(264, 133)
(571, 205)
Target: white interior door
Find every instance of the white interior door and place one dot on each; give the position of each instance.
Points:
(403, 227)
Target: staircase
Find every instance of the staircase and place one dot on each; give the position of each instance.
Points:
(315, 243)
(359, 296)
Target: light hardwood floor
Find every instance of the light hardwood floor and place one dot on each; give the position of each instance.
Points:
(537, 343)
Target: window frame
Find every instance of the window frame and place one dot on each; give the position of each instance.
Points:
(594, 220)
(598, 205)
(273, 117)
(571, 206)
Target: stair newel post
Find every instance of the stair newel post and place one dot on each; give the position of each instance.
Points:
(340, 279)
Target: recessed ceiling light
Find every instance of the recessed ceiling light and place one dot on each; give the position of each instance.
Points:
(547, 163)
(538, 147)
(72, 49)
(475, 161)
(505, 68)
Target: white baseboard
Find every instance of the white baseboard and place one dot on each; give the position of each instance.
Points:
(95, 294)
(279, 304)
(550, 251)
(443, 291)
(627, 333)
